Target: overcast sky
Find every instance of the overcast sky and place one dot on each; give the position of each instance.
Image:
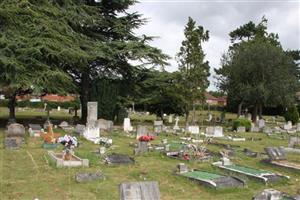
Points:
(167, 19)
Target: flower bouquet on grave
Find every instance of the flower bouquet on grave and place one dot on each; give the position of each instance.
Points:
(146, 138)
(50, 138)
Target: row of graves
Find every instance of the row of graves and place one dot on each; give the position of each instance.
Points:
(187, 148)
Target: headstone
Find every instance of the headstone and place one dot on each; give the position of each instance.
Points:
(194, 130)
(87, 177)
(170, 120)
(15, 130)
(80, 129)
(127, 125)
(176, 127)
(261, 123)
(267, 130)
(63, 124)
(104, 124)
(92, 132)
(141, 130)
(216, 131)
(142, 147)
(14, 136)
(92, 109)
(139, 191)
(275, 153)
(58, 108)
(298, 127)
(288, 126)
(269, 194)
(294, 141)
(158, 126)
(182, 168)
(254, 128)
(35, 130)
(249, 116)
(241, 129)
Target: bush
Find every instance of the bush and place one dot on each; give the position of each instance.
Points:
(292, 115)
(242, 122)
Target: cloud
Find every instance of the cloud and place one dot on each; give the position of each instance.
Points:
(167, 19)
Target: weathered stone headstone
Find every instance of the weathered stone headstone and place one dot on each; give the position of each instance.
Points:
(216, 131)
(142, 147)
(261, 123)
(80, 129)
(127, 125)
(170, 120)
(87, 177)
(139, 191)
(92, 132)
(104, 124)
(14, 136)
(35, 130)
(294, 141)
(241, 129)
(92, 110)
(182, 168)
(176, 127)
(63, 124)
(194, 130)
(249, 116)
(298, 127)
(275, 153)
(269, 194)
(267, 130)
(158, 126)
(288, 126)
(141, 130)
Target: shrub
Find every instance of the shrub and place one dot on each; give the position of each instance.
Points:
(292, 115)
(242, 122)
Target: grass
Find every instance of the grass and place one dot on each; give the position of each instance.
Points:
(28, 173)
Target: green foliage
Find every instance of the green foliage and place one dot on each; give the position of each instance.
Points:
(158, 92)
(194, 71)
(106, 93)
(292, 115)
(256, 71)
(241, 122)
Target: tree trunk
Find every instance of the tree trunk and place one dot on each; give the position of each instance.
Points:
(240, 109)
(194, 114)
(84, 96)
(260, 108)
(254, 113)
(12, 108)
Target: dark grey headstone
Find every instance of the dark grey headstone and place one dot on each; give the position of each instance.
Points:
(35, 127)
(87, 177)
(119, 159)
(139, 191)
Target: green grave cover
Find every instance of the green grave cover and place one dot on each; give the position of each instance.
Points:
(200, 175)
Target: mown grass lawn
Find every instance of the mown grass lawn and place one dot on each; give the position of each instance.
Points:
(28, 173)
(25, 178)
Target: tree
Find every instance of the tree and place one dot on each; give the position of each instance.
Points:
(258, 72)
(194, 71)
(31, 52)
(157, 91)
(112, 27)
(86, 39)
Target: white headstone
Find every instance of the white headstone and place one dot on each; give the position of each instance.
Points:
(216, 131)
(127, 125)
(176, 127)
(288, 126)
(58, 108)
(170, 119)
(194, 130)
(298, 127)
(92, 109)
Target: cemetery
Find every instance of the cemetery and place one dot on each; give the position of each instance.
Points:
(138, 100)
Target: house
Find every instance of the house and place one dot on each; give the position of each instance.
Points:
(217, 101)
(47, 97)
